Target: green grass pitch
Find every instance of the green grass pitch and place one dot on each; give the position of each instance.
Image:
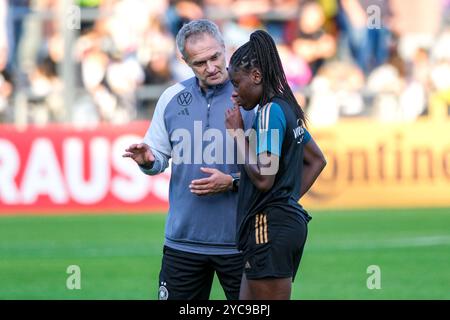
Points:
(119, 255)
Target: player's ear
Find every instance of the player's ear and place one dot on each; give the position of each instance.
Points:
(256, 76)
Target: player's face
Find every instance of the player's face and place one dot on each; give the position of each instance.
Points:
(206, 56)
(247, 87)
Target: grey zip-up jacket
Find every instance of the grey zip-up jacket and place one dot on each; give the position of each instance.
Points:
(189, 126)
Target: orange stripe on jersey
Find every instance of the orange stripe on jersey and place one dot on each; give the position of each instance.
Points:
(256, 228)
(261, 227)
(266, 238)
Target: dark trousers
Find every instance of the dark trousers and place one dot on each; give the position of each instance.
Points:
(189, 276)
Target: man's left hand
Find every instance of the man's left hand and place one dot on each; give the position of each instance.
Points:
(217, 182)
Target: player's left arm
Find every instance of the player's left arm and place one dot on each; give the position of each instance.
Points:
(261, 166)
(313, 163)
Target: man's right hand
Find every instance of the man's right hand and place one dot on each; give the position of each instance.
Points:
(141, 153)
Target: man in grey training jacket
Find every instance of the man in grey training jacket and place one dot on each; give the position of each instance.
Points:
(188, 126)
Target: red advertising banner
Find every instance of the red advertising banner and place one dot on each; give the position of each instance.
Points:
(61, 169)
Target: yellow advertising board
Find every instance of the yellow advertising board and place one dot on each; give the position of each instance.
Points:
(371, 165)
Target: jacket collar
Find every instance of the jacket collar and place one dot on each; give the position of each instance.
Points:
(216, 89)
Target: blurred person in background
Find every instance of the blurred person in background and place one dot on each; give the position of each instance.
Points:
(34, 44)
(312, 43)
(178, 13)
(92, 58)
(336, 93)
(386, 84)
(46, 94)
(94, 64)
(3, 34)
(123, 76)
(181, 12)
(201, 223)
(6, 87)
(236, 31)
(17, 10)
(85, 5)
(155, 52)
(297, 70)
(416, 24)
(400, 88)
(365, 30)
(250, 7)
(113, 54)
(439, 79)
(158, 70)
(276, 26)
(6, 90)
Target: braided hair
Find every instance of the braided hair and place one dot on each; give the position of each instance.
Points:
(261, 53)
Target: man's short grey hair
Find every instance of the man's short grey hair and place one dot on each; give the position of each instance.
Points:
(194, 28)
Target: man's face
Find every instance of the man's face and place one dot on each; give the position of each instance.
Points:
(206, 56)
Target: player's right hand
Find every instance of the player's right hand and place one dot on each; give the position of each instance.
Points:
(141, 153)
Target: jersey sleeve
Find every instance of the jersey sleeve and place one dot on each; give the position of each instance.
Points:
(249, 118)
(306, 137)
(157, 136)
(271, 127)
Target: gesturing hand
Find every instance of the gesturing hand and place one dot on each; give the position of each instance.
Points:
(141, 153)
(217, 182)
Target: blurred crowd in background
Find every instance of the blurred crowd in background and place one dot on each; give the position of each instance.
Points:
(383, 59)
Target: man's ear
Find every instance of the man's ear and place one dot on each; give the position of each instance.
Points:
(256, 76)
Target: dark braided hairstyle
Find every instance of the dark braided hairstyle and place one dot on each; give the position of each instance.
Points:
(261, 53)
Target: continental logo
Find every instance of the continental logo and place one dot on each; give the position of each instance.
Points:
(376, 157)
